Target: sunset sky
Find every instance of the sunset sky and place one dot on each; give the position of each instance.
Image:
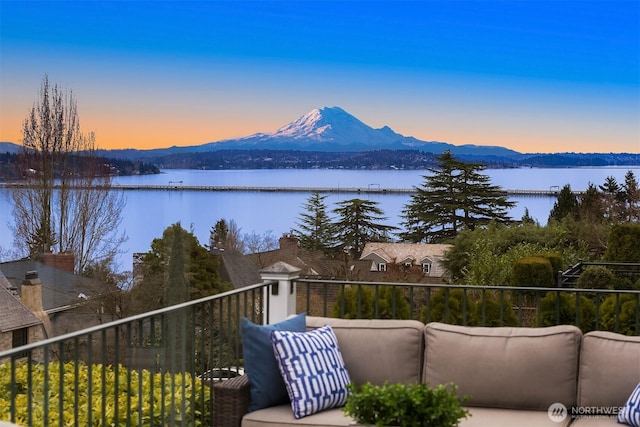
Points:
(534, 76)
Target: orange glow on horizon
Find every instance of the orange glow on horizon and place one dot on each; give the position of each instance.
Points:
(119, 133)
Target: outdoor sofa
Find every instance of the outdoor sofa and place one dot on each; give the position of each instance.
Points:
(514, 376)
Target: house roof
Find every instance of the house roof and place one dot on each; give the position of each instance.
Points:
(59, 288)
(313, 263)
(399, 252)
(236, 268)
(13, 314)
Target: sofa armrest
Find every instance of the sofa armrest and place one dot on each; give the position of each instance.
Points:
(230, 401)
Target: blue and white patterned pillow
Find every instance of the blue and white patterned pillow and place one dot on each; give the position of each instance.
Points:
(630, 413)
(312, 368)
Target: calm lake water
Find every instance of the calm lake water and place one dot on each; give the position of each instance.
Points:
(149, 212)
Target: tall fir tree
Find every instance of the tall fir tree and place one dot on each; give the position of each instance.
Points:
(455, 196)
(590, 205)
(565, 206)
(176, 290)
(359, 222)
(316, 231)
(632, 197)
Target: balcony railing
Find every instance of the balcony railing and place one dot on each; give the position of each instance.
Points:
(157, 368)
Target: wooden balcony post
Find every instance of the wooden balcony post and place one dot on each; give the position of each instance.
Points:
(280, 298)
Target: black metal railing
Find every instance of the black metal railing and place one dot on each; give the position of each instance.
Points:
(153, 369)
(589, 309)
(156, 369)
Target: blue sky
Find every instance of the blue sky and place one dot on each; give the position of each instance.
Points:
(535, 76)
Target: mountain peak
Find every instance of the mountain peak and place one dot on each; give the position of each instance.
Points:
(318, 124)
(333, 129)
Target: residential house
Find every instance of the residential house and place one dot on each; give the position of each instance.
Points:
(235, 268)
(64, 294)
(18, 324)
(311, 263)
(423, 256)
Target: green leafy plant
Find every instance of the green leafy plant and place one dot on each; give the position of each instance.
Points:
(618, 313)
(558, 308)
(90, 392)
(405, 405)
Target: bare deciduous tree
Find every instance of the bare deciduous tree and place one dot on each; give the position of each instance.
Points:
(66, 203)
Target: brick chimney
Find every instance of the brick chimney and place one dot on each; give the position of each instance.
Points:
(31, 297)
(65, 261)
(289, 242)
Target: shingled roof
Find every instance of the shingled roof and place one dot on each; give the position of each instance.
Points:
(13, 314)
(401, 253)
(236, 268)
(59, 288)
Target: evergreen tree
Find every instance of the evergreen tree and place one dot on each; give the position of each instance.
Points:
(527, 218)
(565, 206)
(178, 346)
(316, 230)
(590, 205)
(161, 282)
(623, 243)
(632, 197)
(456, 196)
(226, 235)
(218, 234)
(357, 224)
(614, 199)
(176, 289)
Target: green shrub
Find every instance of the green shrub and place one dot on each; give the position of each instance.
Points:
(618, 313)
(392, 304)
(623, 244)
(184, 398)
(554, 258)
(492, 315)
(448, 306)
(356, 301)
(460, 304)
(405, 405)
(559, 308)
(533, 271)
(360, 302)
(596, 277)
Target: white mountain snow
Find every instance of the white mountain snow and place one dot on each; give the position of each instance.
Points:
(327, 129)
(332, 129)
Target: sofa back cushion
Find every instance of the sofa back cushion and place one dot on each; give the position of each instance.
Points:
(378, 350)
(514, 368)
(609, 369)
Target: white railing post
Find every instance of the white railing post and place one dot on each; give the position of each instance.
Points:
(280, 298)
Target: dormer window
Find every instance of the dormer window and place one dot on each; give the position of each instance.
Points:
(426, 267)
(382, 266)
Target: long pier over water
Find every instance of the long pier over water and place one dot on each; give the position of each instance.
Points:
(367, 190)
(371, 189)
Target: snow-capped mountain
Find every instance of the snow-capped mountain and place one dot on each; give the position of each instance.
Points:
(333, 129)
(328, 129)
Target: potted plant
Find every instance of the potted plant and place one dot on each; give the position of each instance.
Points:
(405, 405)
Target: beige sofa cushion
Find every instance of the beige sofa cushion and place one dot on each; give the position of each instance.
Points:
(517, 368)
(609, 369)
(378, 350)
(282, 416)
(596, 422)
(489, 417)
